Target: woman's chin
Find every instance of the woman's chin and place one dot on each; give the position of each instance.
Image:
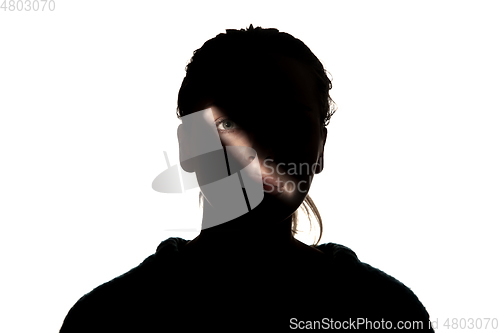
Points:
(279, 203)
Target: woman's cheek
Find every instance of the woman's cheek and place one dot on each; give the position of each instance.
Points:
(236, 138)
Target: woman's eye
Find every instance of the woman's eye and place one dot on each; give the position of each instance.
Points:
(226, 125)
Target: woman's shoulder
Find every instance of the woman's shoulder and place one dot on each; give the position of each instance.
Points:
(338, 253)
(379, 293)
(127, 297)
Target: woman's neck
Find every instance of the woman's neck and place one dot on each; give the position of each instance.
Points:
(250, 234)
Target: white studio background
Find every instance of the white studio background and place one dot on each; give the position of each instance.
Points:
(88, 95)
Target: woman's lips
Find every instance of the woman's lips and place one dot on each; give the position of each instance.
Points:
(272, 185)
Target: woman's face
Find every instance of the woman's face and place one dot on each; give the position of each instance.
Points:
(288, 139)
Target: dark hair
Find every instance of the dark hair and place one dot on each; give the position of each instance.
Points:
(215, 70)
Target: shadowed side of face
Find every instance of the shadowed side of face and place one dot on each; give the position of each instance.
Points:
(272, 108)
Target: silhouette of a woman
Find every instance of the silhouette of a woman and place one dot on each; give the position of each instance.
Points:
(266, 91)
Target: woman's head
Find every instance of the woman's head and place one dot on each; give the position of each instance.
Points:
(267, 91)
(227, 68)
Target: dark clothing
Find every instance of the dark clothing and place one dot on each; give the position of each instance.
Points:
(173, 292)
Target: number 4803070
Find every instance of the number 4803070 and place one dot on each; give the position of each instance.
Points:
(471, 323)
(28, 5)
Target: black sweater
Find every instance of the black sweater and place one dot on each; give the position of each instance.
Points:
(171, 292)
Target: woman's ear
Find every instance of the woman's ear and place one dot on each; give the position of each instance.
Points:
(318, 166)
(325, 133)
(184, 149)
(320, 163)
